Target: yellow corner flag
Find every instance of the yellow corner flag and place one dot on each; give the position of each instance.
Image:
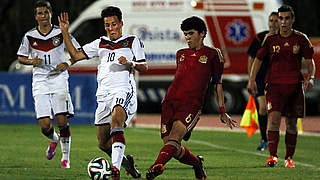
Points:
(249, 119)
(299, 126)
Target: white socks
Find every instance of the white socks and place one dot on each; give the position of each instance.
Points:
(65, 143)
(117, 154)
(55, 137)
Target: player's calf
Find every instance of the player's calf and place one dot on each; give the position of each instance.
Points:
(65, 142)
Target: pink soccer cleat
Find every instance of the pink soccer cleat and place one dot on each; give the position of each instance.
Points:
(65, 164)
(51, 150)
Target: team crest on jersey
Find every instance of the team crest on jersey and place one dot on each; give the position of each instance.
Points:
(286, 44)
(163, 128)
(296, 49)
(125, 43)
(203, 59)
(55, 41)
(182, 57)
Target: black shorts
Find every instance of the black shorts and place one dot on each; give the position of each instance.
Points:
(260, 86)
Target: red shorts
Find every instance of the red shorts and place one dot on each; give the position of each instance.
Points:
(286, 98)
(173, 110)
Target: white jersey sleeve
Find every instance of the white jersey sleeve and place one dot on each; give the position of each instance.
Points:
(138, 49)
(24, 49)
(75, 42)
(91, 49)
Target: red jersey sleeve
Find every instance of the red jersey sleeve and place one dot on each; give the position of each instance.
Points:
(218, 64)
(178, 56)
(306, 48)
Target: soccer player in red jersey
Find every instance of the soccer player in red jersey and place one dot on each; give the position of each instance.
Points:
(181, 107)
(285, 83)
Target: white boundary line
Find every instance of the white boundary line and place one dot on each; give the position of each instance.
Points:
(247, 152)
(236, 150)
(304, 133)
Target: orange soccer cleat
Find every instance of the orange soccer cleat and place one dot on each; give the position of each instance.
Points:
(272, 161)
(289, 163)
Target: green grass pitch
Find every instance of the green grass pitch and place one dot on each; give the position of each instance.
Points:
(228, 155)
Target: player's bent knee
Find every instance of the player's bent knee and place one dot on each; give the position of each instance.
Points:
(273, 126)
(61, 119)
(47, 131)
(292, 128)
(177, 145)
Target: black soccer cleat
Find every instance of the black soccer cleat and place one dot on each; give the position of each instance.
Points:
(131, 169)
(154, 171)
(199, 170)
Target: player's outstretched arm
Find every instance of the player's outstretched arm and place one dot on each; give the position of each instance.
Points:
(224, 117)
(64, 26)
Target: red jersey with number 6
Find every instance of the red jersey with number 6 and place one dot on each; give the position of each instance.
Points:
(194, 71)
(285, 55)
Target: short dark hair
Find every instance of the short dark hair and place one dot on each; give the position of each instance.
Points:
(111, 11)
(195, 23)
(42, 3)
(273, 13)
(286, 8)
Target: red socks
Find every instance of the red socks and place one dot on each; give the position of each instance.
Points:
(169, 151)
(273, 141)
(189, 158)
(165, 154)
(118, 137)
(291, 141)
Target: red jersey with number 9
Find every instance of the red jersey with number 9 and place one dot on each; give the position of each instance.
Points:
(194, 71)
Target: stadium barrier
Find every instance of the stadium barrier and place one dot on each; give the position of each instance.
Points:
(17, 105)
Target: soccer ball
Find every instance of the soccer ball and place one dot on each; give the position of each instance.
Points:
(99, 169)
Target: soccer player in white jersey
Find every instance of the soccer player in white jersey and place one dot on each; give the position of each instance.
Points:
(43, 48)
(120, 55)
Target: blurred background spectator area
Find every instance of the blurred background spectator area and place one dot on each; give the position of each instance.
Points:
(16, 17)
